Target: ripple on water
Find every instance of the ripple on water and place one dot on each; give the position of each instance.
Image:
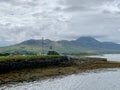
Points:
(108, 79)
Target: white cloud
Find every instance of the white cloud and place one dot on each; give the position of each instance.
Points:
(59, 19)
(25, 19)
(111, 7)
(95, 18)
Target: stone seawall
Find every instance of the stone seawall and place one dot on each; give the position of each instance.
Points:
(21, 64)
(62, 60)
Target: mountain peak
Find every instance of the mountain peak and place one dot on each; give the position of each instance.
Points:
(87, 39)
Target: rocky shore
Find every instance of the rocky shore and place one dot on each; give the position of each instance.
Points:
(41, 69)
(36, 63)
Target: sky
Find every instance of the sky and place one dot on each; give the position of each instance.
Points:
(22, 20)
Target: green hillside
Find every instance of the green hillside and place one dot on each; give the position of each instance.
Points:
(81, 45)
(23, 49)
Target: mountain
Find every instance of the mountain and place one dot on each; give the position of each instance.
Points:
(92, 43)
(80, 45)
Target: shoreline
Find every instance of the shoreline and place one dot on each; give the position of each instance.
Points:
(58, 77)
(34, 74)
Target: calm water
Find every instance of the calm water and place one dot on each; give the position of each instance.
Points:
(110, 57)
(95, 80)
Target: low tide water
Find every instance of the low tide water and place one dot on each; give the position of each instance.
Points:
(108, 79)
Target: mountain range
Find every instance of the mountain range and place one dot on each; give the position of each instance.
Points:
(80, 45)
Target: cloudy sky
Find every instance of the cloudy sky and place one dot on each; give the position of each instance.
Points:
(59, 19)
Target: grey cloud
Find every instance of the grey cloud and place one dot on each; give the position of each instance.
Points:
(6, 1)
(90, 21)
(58, 9)
(106, 12)
(26, 23)
(83, 5)
(23, 3)
(76, 8)
(86, 2)
(69, 19)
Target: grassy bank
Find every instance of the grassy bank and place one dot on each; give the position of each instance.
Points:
(11, 63)
(52, 71)
(27, 57)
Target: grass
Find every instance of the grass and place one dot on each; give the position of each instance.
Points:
(28, 57)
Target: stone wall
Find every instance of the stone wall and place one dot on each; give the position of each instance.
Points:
(22, 64)
(63, 60)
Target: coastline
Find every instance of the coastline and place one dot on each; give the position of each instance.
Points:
(34, 74)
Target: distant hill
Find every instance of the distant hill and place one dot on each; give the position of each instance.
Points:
(80, 45)
(92, 43)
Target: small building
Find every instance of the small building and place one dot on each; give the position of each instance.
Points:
(52, 53)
